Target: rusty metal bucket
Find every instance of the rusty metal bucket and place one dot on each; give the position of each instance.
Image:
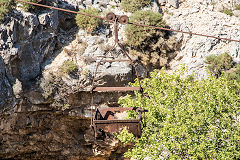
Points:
(110, 120)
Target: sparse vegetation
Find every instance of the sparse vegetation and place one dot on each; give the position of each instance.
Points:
(26, 6)
(234, 73)
(141, 37)
(228, 12)
(134, 5)
(65, 106)
(219, 63)
(187, 118)
(5, 5)
(237, 7)
(68, 67)
(150, 45)
(85, 71)
(223, 65)
(89, 24)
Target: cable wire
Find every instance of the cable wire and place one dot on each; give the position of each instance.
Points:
(60, 9)
(197, 34)
(137, 24)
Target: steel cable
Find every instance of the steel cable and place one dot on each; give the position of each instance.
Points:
(142, 25)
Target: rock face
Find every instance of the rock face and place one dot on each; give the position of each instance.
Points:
(28, 42)
(174, 3)
(45, 113)
(6, 93)
(45, 106)
(200, 17)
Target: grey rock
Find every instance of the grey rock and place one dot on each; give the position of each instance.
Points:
(236, 13)
(174, 3)
(102, 3)
(195, 10)
(162, 2)
(17, 88)
(72, 3)
(43, 18)
(6, 93)
(155, 7)
(27, 44)
(88, 2)
(35, 97)
(142, 72)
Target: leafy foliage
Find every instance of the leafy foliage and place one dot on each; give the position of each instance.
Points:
(5, 5)
(219, 63)
(68, 67)
(89, 24)
(151, 45)
(125, 136)
(187, 118)
(134, 5)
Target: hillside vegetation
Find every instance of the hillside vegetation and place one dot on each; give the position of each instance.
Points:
(187, 118)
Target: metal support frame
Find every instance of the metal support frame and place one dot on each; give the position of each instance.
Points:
(103, 120)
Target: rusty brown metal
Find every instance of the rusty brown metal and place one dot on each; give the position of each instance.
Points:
(111, 16)
(112, 126)
(123, 19)
(116, 89)
(105, 121)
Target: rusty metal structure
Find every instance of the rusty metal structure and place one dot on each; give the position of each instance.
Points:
(105, 120)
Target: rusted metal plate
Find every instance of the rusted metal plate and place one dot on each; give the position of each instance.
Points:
(116, 89)
(116, 121)
(105, 121)
(133, 126)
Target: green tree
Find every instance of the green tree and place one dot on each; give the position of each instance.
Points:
(187, 118)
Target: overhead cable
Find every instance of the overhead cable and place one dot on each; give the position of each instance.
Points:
(137, 24)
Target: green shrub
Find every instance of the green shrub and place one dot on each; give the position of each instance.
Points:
(141, 37)
(26, 6)
(237, 7)
(87, 23)
(5, 5)
(134, 5)
(152, 46)
(187, 118)
(68, 67)
(218, 64)
(234, 73)
(125, 136)
(228, 12)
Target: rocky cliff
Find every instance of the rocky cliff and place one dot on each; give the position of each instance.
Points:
(47, 65)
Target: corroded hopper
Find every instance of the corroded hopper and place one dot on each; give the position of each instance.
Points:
(110, 120)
